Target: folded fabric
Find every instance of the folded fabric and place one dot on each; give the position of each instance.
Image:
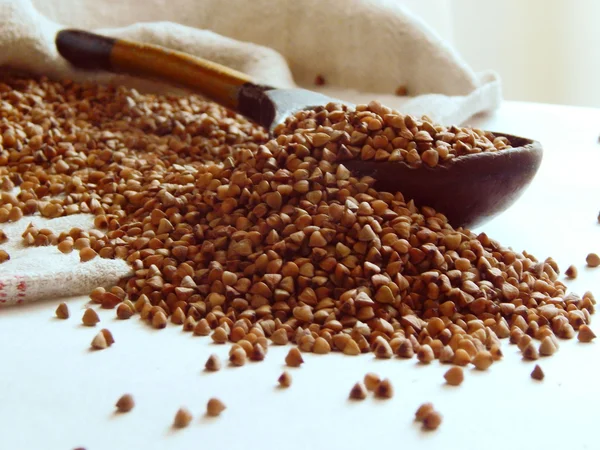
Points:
(355, 50)
(35, 273)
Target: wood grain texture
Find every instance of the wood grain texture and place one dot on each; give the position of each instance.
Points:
(215, 81)
(91, 51)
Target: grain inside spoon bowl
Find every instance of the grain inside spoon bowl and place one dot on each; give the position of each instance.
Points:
(469, 189)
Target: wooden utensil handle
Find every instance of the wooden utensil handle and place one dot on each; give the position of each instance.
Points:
(91, 51)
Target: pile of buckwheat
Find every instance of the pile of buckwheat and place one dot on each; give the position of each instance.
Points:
(255, 240)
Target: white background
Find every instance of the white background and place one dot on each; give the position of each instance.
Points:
(544, 50)
(57, 394)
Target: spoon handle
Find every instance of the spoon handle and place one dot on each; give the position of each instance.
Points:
(91, 51)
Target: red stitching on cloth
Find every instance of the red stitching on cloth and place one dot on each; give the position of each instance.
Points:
(21, 289)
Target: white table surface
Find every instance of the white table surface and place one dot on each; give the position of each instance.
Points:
(57, 394)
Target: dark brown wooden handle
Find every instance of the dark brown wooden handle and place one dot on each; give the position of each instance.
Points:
(91, 51)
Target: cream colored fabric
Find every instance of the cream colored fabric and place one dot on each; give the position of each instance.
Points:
(364, 49)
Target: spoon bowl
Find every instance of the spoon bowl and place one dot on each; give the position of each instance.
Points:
(469, 189)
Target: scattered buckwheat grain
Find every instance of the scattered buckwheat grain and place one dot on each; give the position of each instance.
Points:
(358, 391)
(423, 411)
(219, 336)
(294, 358)
(461, 357)
(62, 311)
(125, 403)
(425, 354)
(384, 389)
(483, 360)
(258, 352)
(4, 256)
(202, 328)
(585, 334)
(99, 341)
(87, 254)
(531, 352)
(537, 373)
(90, 317)
(238, 357)
(454, 376)
(108, 337)
(321, 346)
(214, 407)
(285, 379)
(547, 346)
(432, 420)
(571, 272)
(371, 381)
(592, 260)
(159, 320)
(182, 418)
(213, 363)
(124, 311)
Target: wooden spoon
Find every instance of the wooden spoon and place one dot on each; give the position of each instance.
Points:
(468, 189)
